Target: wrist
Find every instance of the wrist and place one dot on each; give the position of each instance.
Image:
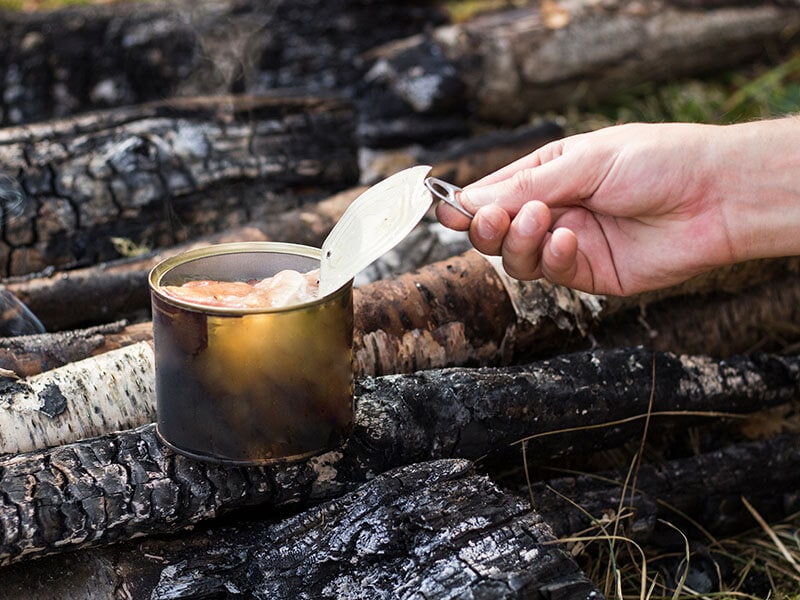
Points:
(758, 188)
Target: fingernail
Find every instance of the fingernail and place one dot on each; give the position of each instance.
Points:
(475, 198)
(527, 224)
(486, 229)
(554, 249)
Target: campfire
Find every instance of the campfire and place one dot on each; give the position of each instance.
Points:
(486, 409)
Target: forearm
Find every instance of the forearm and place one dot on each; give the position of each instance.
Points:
(758, 187)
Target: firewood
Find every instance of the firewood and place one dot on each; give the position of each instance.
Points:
(161, 173)
(114, 290)
(109, 392)
(706, 488)
(15, 317)
(111, 488)
(435, 526)
(28, 355)
(763, 317)
(144, 52)
(463, 311)
(510, 64)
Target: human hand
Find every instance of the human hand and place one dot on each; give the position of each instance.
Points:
(633, 207)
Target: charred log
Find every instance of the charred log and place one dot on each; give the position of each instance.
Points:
(144, 52)
(118, 289)
(111, 488)
(705, 489)
(104, 292)
(16, 318)
(436, 527)
(761, 318)
(158, 174)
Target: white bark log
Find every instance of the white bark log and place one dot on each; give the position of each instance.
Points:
(109, 392)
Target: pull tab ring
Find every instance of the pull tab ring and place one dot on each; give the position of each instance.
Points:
(446, 192)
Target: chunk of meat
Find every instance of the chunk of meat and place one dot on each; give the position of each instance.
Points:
(285, 288)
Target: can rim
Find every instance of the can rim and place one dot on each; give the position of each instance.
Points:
(158, 272)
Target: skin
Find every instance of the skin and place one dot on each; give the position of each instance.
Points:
(637, 207)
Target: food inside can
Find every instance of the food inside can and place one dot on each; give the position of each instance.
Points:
(285, 288)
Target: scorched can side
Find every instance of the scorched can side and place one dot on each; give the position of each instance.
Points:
(251, 385)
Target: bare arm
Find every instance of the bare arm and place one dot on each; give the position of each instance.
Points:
(637, 207)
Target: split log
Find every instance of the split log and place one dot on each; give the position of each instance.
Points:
(434, 527)
(162, 173)
(514, 63)
(111, 488)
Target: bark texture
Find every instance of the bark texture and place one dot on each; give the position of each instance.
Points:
(153, 175)
(118, 289)
(410, 87)
(528, 60)
(83, 399)
(112, 488)
(31, 354)
(143, 52)
(705, 489)
(760, 318)
(105, 292)
(434, 528)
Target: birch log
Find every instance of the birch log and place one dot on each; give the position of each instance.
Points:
(126, 484)
(110, 392)
(161, 173)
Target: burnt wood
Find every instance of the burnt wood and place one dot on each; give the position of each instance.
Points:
(157, 174)
(142, 52)
(112, 488)
(705, 489)
(435, 528)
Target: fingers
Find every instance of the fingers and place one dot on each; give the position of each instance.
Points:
(560, 257)
(522, 245)
(450, 217)
(489, 228)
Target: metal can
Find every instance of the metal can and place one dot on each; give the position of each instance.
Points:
(251, 385)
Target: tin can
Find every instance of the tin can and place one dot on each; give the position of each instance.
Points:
(251, 385)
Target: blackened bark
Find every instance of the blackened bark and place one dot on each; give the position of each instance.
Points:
(161, 173)
(141, 52)
(111, 488)
(435, 528)
(706, 488)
